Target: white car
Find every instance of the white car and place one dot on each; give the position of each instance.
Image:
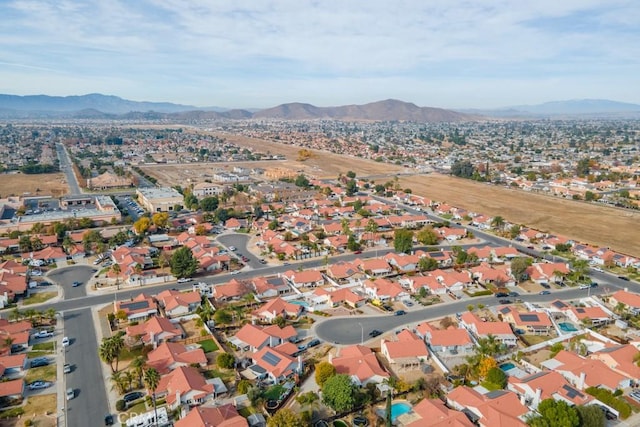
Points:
(184, 280)
(232, 248)
(43, 334)
(71, 393)
(65, 342)
(584, 287)
(234, 272)
(598, 269)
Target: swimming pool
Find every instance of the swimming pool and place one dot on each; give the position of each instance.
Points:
(399, 408)
(507, 366)
(302, 303)
(567, 327)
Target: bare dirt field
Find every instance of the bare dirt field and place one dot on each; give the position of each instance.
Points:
(615, 228)
(54, 184)
(588, 223)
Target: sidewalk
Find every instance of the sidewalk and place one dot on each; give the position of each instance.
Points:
(102, 331)
(61, 381)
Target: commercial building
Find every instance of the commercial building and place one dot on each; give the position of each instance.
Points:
(163, 199)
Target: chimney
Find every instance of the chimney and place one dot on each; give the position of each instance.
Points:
(538, 397)
(581, 381)
(523, 399)
(178, 397)
(300, 364)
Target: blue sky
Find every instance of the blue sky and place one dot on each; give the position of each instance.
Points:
(260, 53)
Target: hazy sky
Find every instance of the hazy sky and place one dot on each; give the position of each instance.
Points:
(260, 53)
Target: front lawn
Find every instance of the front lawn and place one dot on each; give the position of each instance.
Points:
(39, 298)
(223, 374)
(208, 346)
(43, 373)
(535, 339)
(274, 392)
(44, 346)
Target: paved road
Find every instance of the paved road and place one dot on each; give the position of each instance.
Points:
(240, 241)
(90, 404)
(67, 275)
(67, 168)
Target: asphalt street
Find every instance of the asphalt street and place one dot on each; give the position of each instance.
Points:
(241, 242)
(90, 404)
(67, 275)
(66, 167)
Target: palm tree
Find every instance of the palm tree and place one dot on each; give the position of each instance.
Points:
(129, 377)
(30, 314)
(119, 381)
(620, 308)
(151, 381)
(106, 353)
(117, 342)
(497, 222)
(16, 315)
(137, 365)
(50, 314)
(115, 269)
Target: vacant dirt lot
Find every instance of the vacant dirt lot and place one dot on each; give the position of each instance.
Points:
(17, 184)
(588, 223)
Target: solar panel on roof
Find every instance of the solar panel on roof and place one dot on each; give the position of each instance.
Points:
(136, 305)
(529, 318)
(580, 310)
(271, 358)
(572, 392)
(558, 304)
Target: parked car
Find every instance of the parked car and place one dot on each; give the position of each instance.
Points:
(593, 285)
(132, 397)
(232, 248)
(65, 342)
(66, 368)
(598, 269)
(584, 287)
(38, 362)
(71, 393)
(375, 333)
(408, 303)
(184, 280)
(623, 278)
(45, 283)
(38, 385)
(502, 295)
(399, 313)
(314, 342)
(76, 284)
(514, 294)
(234, 272)
(505, 301)
(263, 261)
(544, 292)
(108, 420)
(43, 334)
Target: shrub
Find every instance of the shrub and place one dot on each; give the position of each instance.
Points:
(226, 360)
(120, 405)
(28, 423)
(607, 397)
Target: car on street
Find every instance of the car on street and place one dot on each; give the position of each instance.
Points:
(544, 293)
(584, 286)
(45, 283)
(505, 301)
(70, 394)
(514, 294)
(132, 397)
(623, 278)
(314, 342)
(66, 368)
(357, 252)
(76, 284)
(43, 334)
(38, 385)
(108, 420)
(263, 261)
(598, 269)
(234, 272)
(184, 280)
(38, 362)
(399, 313)
(502, 295)
(593, 285)
(232, 248)
(375, 333)
(65, 342)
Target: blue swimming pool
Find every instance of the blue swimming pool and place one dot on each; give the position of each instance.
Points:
(399, 408)
(567, 327)
(302, 303)
(507, 366)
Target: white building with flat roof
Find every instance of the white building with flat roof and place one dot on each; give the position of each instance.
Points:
(163, 199)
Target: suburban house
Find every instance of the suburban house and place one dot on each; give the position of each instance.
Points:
(384, 290)
(154, 331)
(306, 278)
(532, 322)
(171, 355)
(629, 301)
(232, 290)
(346, 296)
(498, 408)
(255, 337)
(620, 358)
(220, 416)
(486, 274)
(12, 389)
(542, 272)
(434, 413)
(185, 386)
(403, 263)
(270, 287)
(533, 389)
(375, 267)
(430, 283)
(501, 331)
(583, 373)
(139, 308)
(276, 364)
(360, 363)
(277, 307)
(408, 351)
(343, 271)
(452, 340)
(176, 303)
(11, 365)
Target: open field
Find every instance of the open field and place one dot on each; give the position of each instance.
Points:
(17, 184)
(589, 223)
(40, 409)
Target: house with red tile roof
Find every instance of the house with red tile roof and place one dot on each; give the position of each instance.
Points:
(305, 278)
(13, 364)
(376, 267)
(360, 363)
(454, 281)
(12, 390)
(408, 350)
(543, 272)
(219, 416)
(139, 308)
(185, 386)
(583, 373)
(171, 355)
(434, 413)
(47, 254)
(444, 258)
(154, 331)
(276, 364)
(501, 331)
(620, 358)
(342, 271)
(176, 303)
(270, 287)
(540, 386)
(384, 290)
(277, 307)
(338, 242)
(499, 408)
(630, 301)
(232, 290)
(430, 283)
(403, 263)
(533, 322)
(346, 296)
(13, 267)
(255, 337)
(487, 274)
(452, 340)
(451, 234)
(13, 285)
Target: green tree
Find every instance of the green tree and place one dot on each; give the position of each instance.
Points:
(497, 222)
(351, 174)
(324, 371)
(555, 413)
(243, 386)
(223, 317)
(427, 236)
(151, 381)
(498, 377)
(519, 267)
(427, 264)
(403, 240)
(514, 231)
(591, 416)
(285, 417)
(352, 244)
(301, 181)
(182, 263)
(339, 393)
(209, 204)
(226, 360)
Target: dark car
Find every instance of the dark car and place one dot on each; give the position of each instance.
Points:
(375, 333)
(133, 396)
(502, 295)
(38, 362)
(108, 420)
(76, 284)
(505, 301)
(514, 294)
(544, 293)
(314, 342)
(387, 308)
(400, 313)
(593, 285)
(623, 278)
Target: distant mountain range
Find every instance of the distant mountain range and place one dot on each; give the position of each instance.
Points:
(97, 106)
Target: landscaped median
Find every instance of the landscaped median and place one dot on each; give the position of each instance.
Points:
(39, 298)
